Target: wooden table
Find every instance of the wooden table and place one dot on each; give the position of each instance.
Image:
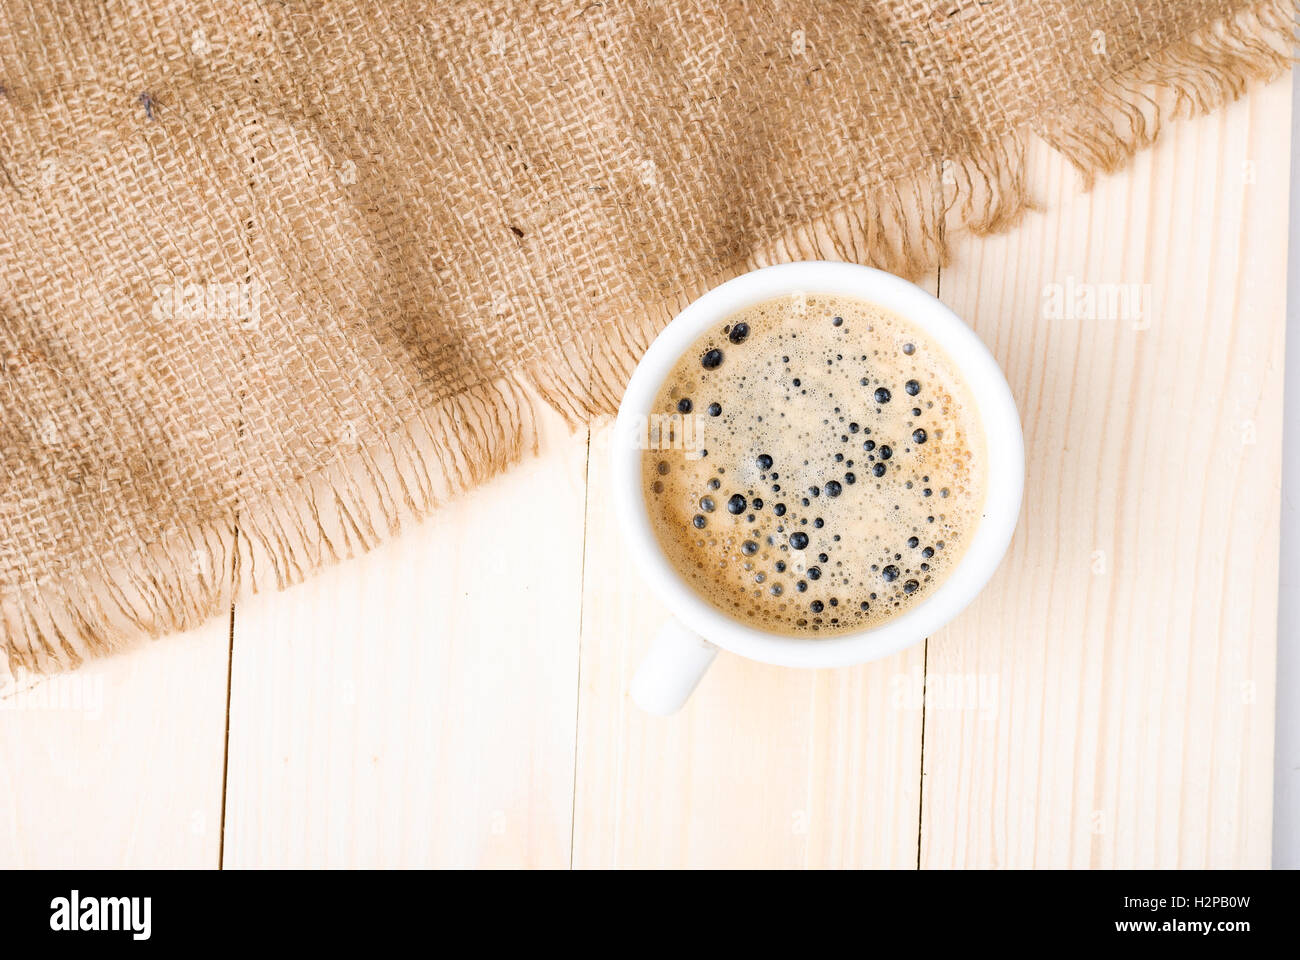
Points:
(458, 697)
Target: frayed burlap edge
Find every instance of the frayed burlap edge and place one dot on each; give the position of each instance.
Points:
(346, 509)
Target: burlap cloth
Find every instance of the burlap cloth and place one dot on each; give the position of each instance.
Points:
(277, 278)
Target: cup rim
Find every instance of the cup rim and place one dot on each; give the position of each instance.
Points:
(998, 415)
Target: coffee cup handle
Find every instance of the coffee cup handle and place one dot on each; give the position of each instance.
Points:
(672, 669)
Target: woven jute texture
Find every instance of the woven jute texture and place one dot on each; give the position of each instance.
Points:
(276, 279)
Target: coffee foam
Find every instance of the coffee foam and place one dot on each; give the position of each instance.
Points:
(821, 385)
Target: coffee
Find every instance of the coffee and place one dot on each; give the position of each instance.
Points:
(816, 466)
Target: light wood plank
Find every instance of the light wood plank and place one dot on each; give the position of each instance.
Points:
(118, 764)
(1131, 632)
(416, 707)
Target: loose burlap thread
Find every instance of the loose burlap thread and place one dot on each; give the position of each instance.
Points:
(278, 279)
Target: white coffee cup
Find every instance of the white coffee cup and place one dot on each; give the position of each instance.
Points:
(687, 643)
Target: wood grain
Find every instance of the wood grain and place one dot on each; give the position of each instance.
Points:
(458, 697)
(416, 707)
(1130, 634)
(119, 764)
